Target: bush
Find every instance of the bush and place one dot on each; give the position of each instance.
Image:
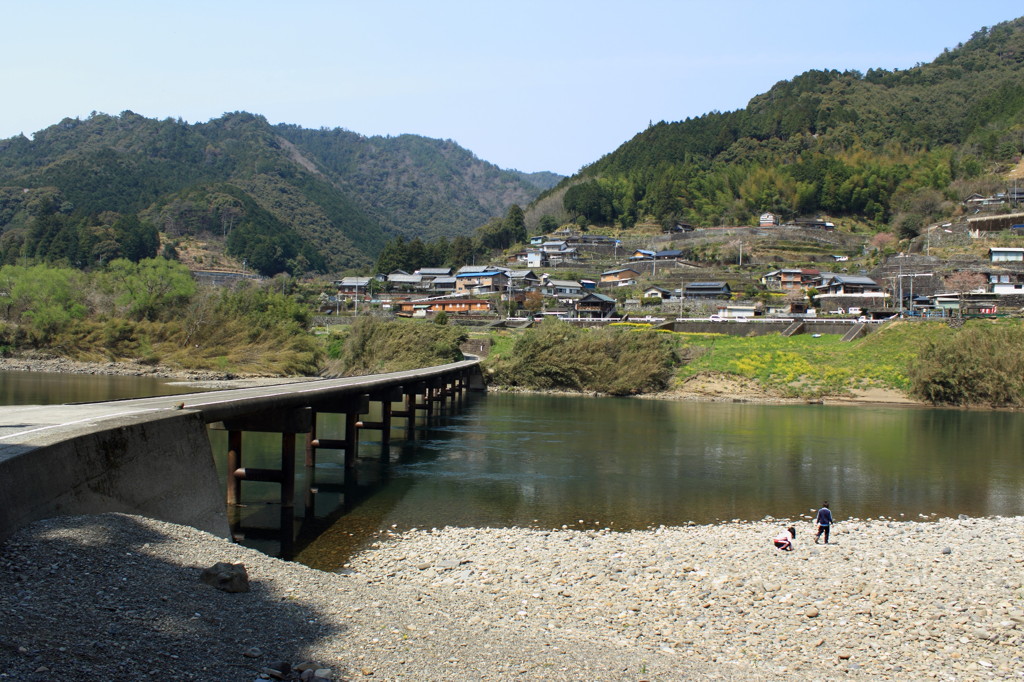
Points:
(557, 356)
(372, 345)
(982, 364)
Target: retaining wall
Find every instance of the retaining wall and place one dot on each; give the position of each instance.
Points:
(160, 467)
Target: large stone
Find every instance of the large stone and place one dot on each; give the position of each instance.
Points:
(226, 577)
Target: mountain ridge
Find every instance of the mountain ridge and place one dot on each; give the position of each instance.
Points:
(321, 200)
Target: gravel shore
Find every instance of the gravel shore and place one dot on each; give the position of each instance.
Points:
(117, 597)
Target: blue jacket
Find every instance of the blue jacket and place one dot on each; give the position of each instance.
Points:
(824, 517)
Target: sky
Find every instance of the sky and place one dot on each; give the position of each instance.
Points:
(532, 85)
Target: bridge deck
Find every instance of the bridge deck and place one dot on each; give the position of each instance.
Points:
(26, 426)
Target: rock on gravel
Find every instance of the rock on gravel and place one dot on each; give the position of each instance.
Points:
(119, 597)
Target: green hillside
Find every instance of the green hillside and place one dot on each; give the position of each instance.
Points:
(885, 148)
(281, 198)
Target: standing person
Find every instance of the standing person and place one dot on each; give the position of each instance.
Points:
(824, 521)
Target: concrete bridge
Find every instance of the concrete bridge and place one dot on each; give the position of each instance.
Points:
(152, 456)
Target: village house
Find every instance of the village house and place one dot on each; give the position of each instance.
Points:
(524, 280)
(532, 258)
(768, 220)
(737, 311)
(349, 287)
(431, 273)
(443, 284)
(452, 306)
(789, 279)
(621, 277)
(402, 281)
(486, 282)
(642, 254)
(1006, 254)
(707, 290)
(595, 306)
(657, 292)
(562, 289)
(829, 283)
(1006, 282)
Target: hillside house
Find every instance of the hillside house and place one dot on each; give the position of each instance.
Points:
(844, 285)
(657, 292)
(453, 306)
(443, 284)
(562, 289)
(1006, 283)
(620, 277)
(767, 220)
(668, 254)
(349, 287)
(707, 290)
(430, 273)
(1006, 254)
(789, 279)
(405, 282)
(595, 306)
(524, 280)
(642, 254)
(477, 283)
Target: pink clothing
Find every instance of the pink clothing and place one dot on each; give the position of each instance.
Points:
(784, 541)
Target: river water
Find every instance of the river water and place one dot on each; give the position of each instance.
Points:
(546, 461)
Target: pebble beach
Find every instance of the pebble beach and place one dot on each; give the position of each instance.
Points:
(118, 597)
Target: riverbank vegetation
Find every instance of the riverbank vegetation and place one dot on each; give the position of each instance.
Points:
(980, 364)
(371, 345)
(153, 312)
(557, 356)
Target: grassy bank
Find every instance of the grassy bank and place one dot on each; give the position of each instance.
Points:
(978, 364)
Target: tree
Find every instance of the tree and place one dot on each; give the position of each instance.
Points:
(150, 288)
(392, 257)
(138, 240)
(461, 251)
(515, 224)
(533, 301)
(45, 298)
(963, 281)
(548, 223)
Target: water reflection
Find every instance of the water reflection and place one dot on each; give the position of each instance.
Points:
(525, 460)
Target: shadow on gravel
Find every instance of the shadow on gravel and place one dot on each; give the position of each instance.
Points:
(111, 597)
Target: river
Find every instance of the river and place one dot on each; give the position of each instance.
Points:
(547, 461)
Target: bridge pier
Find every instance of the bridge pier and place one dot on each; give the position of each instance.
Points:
(289, 423)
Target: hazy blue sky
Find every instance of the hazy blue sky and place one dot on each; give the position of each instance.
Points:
(532, 85)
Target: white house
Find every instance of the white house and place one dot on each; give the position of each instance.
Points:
(1005, 254)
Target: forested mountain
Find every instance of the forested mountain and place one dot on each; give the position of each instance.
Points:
(886, 147)
(280, 197)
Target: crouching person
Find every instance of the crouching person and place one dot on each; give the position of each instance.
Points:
(785, 540)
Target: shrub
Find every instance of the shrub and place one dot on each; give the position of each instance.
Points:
(982, 364)
(557, 356)
(372, 345)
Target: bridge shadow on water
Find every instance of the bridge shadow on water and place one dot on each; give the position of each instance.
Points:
(324, 498)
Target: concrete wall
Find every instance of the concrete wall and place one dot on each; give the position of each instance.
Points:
(158, 467)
